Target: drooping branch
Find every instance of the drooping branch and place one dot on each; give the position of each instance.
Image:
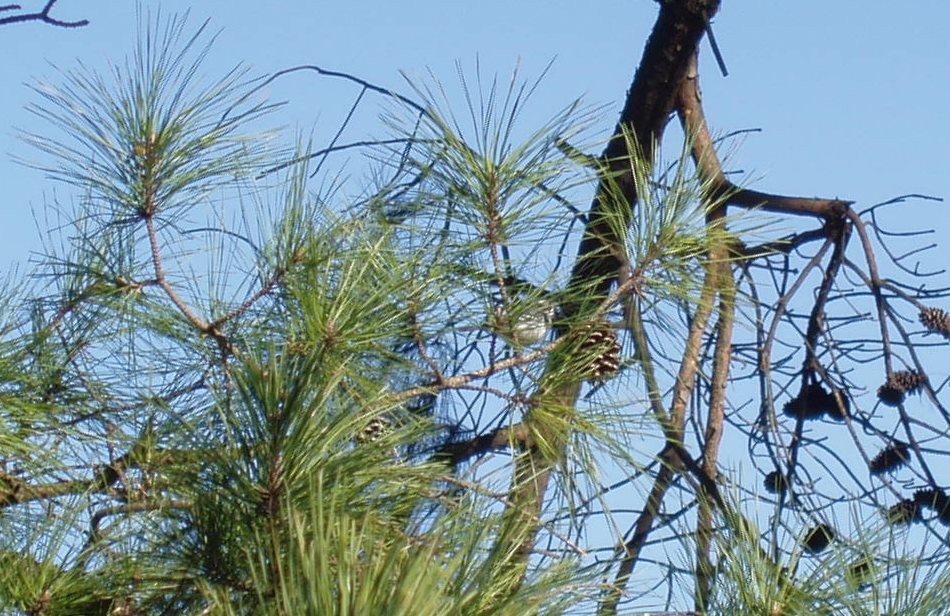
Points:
(718, 188)
(819, 345)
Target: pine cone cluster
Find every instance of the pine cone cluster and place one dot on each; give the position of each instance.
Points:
(814, 401)
(818, 538)
(904, 512)
(375, 429)
(935, 500)
(890, 458)
(604, 349)
(898, 385)
(936, 321)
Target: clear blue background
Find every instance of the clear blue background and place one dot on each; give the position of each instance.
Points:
(851, 97)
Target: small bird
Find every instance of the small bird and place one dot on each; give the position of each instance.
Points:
(528, 328)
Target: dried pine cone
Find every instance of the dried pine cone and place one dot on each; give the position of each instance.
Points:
(602, 343)
(898, 385)
(904, 512)
(907, 381)
(891, 457)
(814, 401)
(928, 497)
(375, 429)
(833, 409)
(936, 321)
(943, 511)
(936, 500)
(889, 395)
(810, 403)
(775, 482)
(818, 538)
(796, 408)
(42, 603)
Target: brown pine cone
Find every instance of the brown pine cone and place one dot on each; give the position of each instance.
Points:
(890, 458)
(936, 321)
(904, 512)
(602, 342)
(898, 385)
(776, 483)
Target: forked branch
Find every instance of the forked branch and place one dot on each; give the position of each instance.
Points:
(42, 15)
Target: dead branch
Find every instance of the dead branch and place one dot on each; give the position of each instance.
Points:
(42, 16)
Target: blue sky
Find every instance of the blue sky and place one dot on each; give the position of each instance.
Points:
(851, 98)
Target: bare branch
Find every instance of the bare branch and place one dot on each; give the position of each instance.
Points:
(41, 16)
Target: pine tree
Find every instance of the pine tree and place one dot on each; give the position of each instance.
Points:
(226, 392)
